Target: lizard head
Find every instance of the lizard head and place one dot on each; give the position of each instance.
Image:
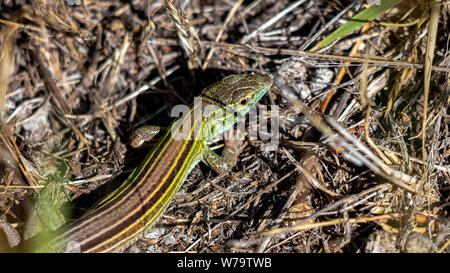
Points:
(231, 99)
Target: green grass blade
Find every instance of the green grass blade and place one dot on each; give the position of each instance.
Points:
(360, 19)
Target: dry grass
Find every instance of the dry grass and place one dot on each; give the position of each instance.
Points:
(363, 159)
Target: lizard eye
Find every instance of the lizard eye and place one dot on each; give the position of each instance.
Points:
(244, 101)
